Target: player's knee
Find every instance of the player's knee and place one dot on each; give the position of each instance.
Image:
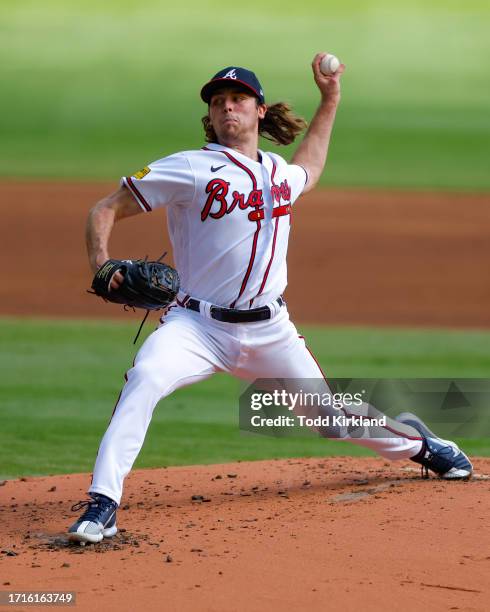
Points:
(146, 373)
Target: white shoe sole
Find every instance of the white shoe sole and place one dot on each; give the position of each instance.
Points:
(455, 474)
(93, 538)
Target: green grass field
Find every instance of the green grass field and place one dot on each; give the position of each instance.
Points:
(96, 90)
(60, 381)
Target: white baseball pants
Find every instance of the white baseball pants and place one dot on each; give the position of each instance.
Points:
(189, 347)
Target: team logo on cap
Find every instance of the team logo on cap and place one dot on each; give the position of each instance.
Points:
(231, 74)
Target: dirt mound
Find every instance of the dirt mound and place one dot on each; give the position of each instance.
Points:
(302, 534)
(356, 257)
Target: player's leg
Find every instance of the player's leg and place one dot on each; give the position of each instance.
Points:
(280, 353)
(179, 353)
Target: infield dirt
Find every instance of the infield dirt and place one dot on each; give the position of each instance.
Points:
(355, 257)
(301, 534)
(298, 534)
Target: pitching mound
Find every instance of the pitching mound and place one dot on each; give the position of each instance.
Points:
(301, 534)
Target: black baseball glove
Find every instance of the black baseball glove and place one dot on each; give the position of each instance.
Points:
(150, 285)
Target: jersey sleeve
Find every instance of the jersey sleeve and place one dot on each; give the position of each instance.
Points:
(298, 177)
(168, 181)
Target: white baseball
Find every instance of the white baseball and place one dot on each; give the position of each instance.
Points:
(329, 64)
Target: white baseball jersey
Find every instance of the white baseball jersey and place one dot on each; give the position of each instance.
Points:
(228, 219)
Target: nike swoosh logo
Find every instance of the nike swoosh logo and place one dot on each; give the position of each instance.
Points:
(213, 169)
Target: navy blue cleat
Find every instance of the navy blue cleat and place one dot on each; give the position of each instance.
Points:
(97, 522)
(442, 457)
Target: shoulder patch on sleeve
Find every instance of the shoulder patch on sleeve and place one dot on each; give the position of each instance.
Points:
(141, 173)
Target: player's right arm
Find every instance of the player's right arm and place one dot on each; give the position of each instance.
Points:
(312, 152)
(167, 181)
(101, 219)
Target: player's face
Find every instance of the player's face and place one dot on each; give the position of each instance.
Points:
(235, 114)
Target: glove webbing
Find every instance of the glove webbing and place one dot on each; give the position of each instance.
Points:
(147, 312)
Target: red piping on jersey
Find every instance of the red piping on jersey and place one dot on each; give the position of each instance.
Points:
(250, 264)
(273, 173)
(243, 167)
(266, 273)
(138, 195)
(348, 414)
(119, 396)
(112, 415)
(257, 219)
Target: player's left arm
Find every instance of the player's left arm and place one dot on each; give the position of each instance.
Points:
(312, 152)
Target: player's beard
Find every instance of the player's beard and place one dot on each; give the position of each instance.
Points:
(235, 130)
(230, 126)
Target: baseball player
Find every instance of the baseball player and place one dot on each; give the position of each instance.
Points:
(229, 208)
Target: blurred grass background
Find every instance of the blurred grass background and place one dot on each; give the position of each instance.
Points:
(60, 381)
(97, 90)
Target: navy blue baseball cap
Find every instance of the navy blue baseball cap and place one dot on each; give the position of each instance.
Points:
(233, 75)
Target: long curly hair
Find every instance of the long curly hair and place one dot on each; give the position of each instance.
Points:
(280, 125)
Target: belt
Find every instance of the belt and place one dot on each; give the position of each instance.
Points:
(235, 315)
